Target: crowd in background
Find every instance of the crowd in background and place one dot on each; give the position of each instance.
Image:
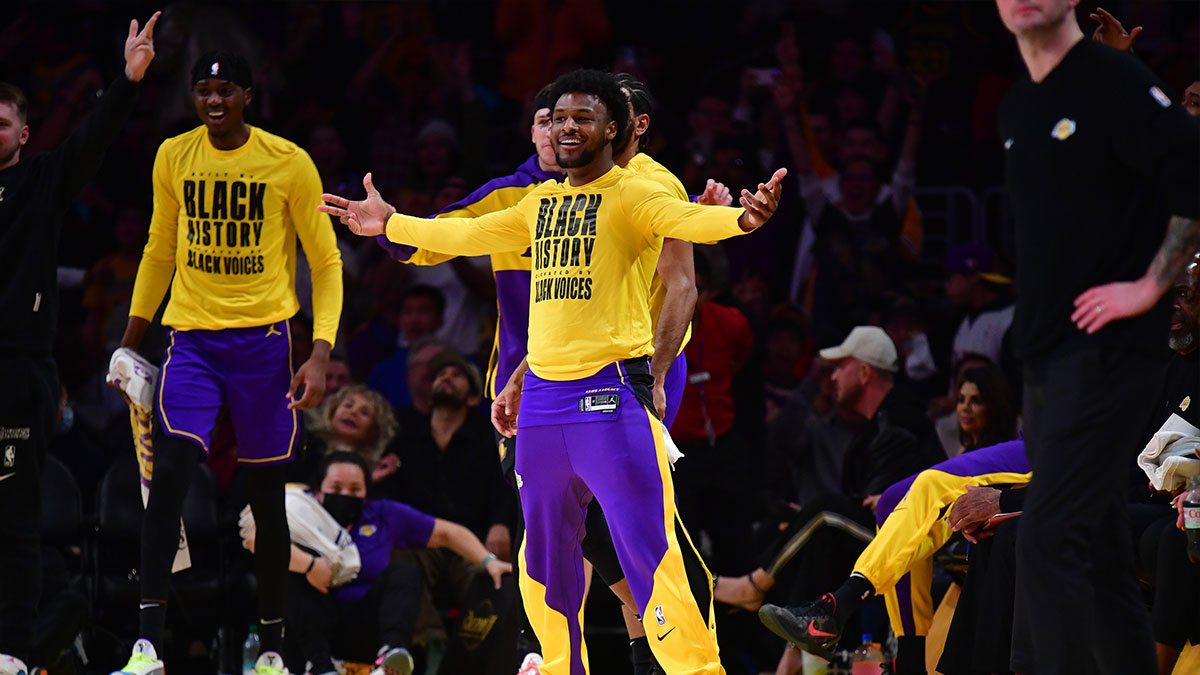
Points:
(865, 102)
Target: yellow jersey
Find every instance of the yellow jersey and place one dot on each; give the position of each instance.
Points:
(594, 250)
(225, 224)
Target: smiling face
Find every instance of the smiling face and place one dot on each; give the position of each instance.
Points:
(221, 105)
(354, 419)
(581, 127)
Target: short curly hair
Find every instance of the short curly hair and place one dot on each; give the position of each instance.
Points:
(596, 83)
(384, 423)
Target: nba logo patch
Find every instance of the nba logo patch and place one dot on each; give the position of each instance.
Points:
(1063, 130)
(1187, 400)
(215, 69)
(659, 616)
(366, 530)
(10, 458)
(1160, 97)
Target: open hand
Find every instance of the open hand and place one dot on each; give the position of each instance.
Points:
(761, 205)
(367, 217)
(139, 48)
(715, 194)
(1111, 32)
(1098, 306)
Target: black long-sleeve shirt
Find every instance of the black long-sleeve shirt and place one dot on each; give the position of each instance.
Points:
(35, 194)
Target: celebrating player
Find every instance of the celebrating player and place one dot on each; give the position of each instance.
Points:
(229, 202)
(588, 426)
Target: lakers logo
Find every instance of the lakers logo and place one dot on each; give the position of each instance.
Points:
(1063, 130)
(1187, 401)
(366, 530)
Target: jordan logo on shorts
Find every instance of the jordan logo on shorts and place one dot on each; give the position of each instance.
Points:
(272, 330)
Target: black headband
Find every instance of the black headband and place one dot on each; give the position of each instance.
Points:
(222, 66)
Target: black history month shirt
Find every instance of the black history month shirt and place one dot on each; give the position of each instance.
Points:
(594, 251)
(225, 223)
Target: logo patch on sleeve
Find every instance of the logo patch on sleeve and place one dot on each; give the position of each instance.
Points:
(1160, 97)
(1187, 401)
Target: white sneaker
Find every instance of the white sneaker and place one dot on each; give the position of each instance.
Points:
(395, 661)
(143, 661)
(11, 665)
(269, 663)
(532, 665)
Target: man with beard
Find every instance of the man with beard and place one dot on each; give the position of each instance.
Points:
(35, 192)
(448, 469)
(1100, 164)
(589, 427)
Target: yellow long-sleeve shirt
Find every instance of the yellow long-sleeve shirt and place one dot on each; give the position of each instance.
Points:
(594, 251)
(225, 225)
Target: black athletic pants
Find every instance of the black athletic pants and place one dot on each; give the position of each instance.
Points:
(1085, 412)
(319, 626)
(28, 414)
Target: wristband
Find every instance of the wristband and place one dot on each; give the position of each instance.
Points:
(311, 564)
(487, 559)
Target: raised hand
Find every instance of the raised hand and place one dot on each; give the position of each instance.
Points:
(761, 205)
(367, 217)
(1111, 32)
(139, 48)
(715, 194)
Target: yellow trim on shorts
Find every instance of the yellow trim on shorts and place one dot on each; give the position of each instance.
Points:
(162, 411)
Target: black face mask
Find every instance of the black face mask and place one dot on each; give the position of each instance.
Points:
(346, 510)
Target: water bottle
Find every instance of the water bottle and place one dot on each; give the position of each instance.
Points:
(250, 650)
(1191, 518)
(867, 659)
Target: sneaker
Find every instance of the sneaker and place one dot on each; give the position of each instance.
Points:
(393, 662)
(810, 627)
(11, 665)
(531, 665)
(269, 663)
(143, 661)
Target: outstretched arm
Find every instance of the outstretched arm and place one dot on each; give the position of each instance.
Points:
(464, 542)
(505, 230)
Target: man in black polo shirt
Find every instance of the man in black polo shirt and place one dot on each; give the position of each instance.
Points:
(1099, 160)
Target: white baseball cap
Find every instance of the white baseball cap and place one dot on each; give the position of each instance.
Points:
(868, 344)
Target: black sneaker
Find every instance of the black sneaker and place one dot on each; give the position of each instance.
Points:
(810, 626)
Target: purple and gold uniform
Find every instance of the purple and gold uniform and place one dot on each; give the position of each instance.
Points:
(911, 515)
(585, 430)
(223, 237)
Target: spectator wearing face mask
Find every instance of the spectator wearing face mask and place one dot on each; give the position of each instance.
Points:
(371, 618)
